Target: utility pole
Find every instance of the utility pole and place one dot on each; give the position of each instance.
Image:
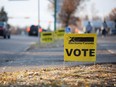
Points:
(55, 11)
(39, 33)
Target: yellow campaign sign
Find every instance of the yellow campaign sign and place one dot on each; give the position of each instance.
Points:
(80, 47)
(47, 37)
(60, 33)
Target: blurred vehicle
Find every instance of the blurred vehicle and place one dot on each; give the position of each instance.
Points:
(44, 30)
(35, 30)
(4, 30)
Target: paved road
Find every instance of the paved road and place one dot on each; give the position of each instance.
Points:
(13, 54)
(11, 49)
(16, 43)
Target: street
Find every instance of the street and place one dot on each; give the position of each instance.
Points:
(13, 53)
(17, 43)
(11, 49)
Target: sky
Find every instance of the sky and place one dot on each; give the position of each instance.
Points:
(100, 7)
(29, 8)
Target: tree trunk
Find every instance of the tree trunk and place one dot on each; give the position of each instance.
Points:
(67, 22)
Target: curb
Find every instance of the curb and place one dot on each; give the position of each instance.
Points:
(29, 47)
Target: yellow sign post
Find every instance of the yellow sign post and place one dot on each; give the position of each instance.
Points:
(47, 37)
(60, 33)
(80, 47)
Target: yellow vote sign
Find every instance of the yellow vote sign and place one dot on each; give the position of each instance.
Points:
(80, 47)
(60, 33)
(47, 37)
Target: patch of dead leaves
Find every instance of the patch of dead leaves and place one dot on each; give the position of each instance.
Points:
(78, 76)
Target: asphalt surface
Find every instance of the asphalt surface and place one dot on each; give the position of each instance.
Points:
(11, 49)
(17, 43)
(13, 53)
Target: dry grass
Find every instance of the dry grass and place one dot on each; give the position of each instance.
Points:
(79, 76)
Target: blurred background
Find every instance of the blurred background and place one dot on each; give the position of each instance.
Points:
(32, 36)
(54, 14)
(32, 31)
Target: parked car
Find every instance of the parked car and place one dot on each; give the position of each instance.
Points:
(4, 30)
(34, 30)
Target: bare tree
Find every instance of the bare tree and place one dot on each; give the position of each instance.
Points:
(96, 18)
(112, 14)
(68, 9)
(3, 15)
(86, 17)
